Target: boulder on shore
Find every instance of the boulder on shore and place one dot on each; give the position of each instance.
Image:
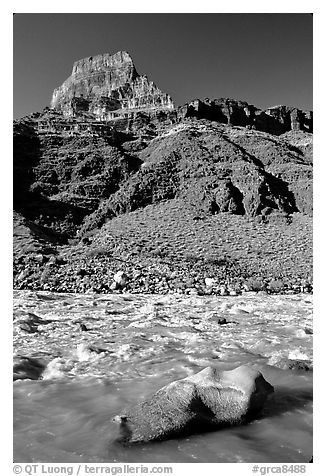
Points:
(201, 402)
(121, 279)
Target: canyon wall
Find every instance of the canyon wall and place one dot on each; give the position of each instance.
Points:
(274, 120)
(108, 87)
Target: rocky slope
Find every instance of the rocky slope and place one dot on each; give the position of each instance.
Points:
(215, 174)
(217, 169)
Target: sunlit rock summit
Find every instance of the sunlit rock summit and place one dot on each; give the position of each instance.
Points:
(107, 87)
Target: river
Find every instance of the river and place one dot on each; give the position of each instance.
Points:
(135, 344)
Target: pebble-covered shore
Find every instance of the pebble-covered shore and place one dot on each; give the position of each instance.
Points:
(80, 273)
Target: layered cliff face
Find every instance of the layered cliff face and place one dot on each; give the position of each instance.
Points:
(274, 120)
(108, 87)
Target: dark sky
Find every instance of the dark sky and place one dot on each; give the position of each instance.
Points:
(265, 59)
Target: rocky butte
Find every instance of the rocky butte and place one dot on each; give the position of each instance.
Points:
(108, 87)
(113, 170)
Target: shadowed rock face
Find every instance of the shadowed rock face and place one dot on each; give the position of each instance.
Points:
(204, 401)
(274, 120)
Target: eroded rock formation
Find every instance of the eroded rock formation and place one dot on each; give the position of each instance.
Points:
(274, 120)
(108, 87)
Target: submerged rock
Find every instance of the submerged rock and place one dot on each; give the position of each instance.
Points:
(29, 322)
(201, 402)
(27, 368)
(222, 322)
(28, 327)
(297, 365)
(300, 365)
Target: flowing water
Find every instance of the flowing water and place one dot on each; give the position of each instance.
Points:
(140, 343)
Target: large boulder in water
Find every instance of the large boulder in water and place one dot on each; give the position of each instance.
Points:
(201, 402)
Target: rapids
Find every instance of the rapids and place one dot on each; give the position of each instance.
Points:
(135, 344)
